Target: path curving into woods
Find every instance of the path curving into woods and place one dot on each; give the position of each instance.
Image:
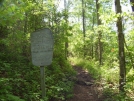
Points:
(85, 88)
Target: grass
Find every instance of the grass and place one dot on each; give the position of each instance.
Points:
(91, 66)
(108, 76)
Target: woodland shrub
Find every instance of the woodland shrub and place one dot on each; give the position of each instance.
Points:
(108, 77)
(58, 83)
(20, 80)
(90, 65)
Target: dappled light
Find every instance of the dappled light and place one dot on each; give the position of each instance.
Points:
(66, 50)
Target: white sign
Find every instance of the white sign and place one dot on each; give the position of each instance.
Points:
(42, 47)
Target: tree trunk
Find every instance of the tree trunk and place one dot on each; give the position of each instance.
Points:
(100, 34)
(92, 39)
(66, 17)
(122, 78)
(25, 23)
(132, 2)
(83, 21)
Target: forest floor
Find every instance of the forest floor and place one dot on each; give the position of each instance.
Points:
(86, 88)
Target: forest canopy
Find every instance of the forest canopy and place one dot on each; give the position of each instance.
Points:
(95, 34)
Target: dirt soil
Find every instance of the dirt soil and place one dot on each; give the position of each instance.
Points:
(85, 89)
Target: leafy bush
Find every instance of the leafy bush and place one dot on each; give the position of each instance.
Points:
(90, 65)
(58, 84)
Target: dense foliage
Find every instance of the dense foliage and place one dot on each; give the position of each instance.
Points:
(20, 80)
(104, 38)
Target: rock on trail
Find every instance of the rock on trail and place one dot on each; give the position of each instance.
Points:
(84, 88)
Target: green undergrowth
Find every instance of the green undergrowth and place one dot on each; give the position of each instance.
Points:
(59, 84)
(90, 65)
(20, 81)
(107, 77)
(110, 82)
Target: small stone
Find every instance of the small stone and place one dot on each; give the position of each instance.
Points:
(90, 94)
(88, 83)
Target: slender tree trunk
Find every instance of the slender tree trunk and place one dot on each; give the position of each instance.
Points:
(83, 22)
(25, 23)
(132, 2)
(25, 30)
(122, 79)
(3, 35)
(100, 34)
(92, 38)
(66, 17)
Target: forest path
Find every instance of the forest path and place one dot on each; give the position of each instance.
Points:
(85, 88)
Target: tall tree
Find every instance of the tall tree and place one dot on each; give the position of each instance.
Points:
(83, 22)
(122, 78)
(99, 32)
(66, 19)
(92, 46)
(132, 3)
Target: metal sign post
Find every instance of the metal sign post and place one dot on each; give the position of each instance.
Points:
(43, 88)
(42, 52)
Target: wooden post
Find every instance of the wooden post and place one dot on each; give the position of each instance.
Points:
(43, 89)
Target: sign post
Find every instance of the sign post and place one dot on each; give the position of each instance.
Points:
(42, 52)
(43, 88)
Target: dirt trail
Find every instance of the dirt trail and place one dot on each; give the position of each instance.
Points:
(85, 89)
